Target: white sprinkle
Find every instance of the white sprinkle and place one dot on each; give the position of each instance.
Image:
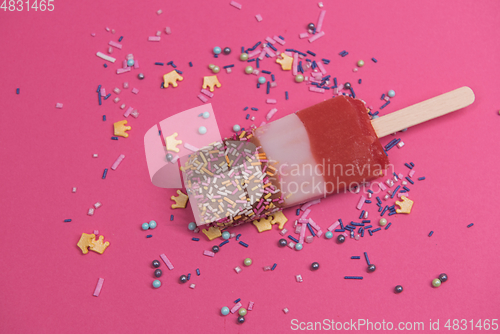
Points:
(105, 57)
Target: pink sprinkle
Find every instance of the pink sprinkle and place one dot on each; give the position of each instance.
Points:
(411, 173)
(236, 307)
(319, 233)
(302, 234)
(167, 261)
(313, 224)
(59, 105)
(274, 84)
(305, 214)
(295, 63)
(207, 93)
(304, 35)
(208, 253)
(334, 226)
(270, 52)
(361, 202)
(168, 31)
(315, 37)
(262, 54)
(279, 40)
(321, 67)
(116, 45)
(98, 288)
(154, 38)
(124, 64)
(122, 70)
(270, 101)
(118, 161)
(136, 63)
(237, 5)
(103, 91)
(271, 113)
(345, 234)
(308, 204)
(254, 53)
(202, 98)
(381, 186)
(270, 40)
(320, 20)
(92, 34)
(258, 17)
(129, 110)
(317, 77)
(135, 91)
(96, 232)
(250, 306)
(316, 89)
(191, 147)
(400, 144)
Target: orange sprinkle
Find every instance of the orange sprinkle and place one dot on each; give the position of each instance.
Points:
(207, 171)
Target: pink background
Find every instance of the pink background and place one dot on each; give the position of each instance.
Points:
(424, 48)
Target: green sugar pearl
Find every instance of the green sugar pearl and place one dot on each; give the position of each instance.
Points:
(248, 70)
(244, 57)
(436, 282)
(247, 262)
(242, 311)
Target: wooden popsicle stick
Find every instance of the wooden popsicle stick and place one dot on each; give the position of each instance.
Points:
(423, 111)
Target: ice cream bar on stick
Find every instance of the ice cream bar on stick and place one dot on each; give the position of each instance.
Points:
(320, 150)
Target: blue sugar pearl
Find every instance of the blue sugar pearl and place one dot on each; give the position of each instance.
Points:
(226, 235)
(156, 283)
(206, 114)
(202, 130)
(192, 226)
(391, 93)
(152, 224)
(298, 246)
(262, 80)
(130, 62)
(145, 226)
(224, 310)
(236, 128)
(217, 50)
(328, 235)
